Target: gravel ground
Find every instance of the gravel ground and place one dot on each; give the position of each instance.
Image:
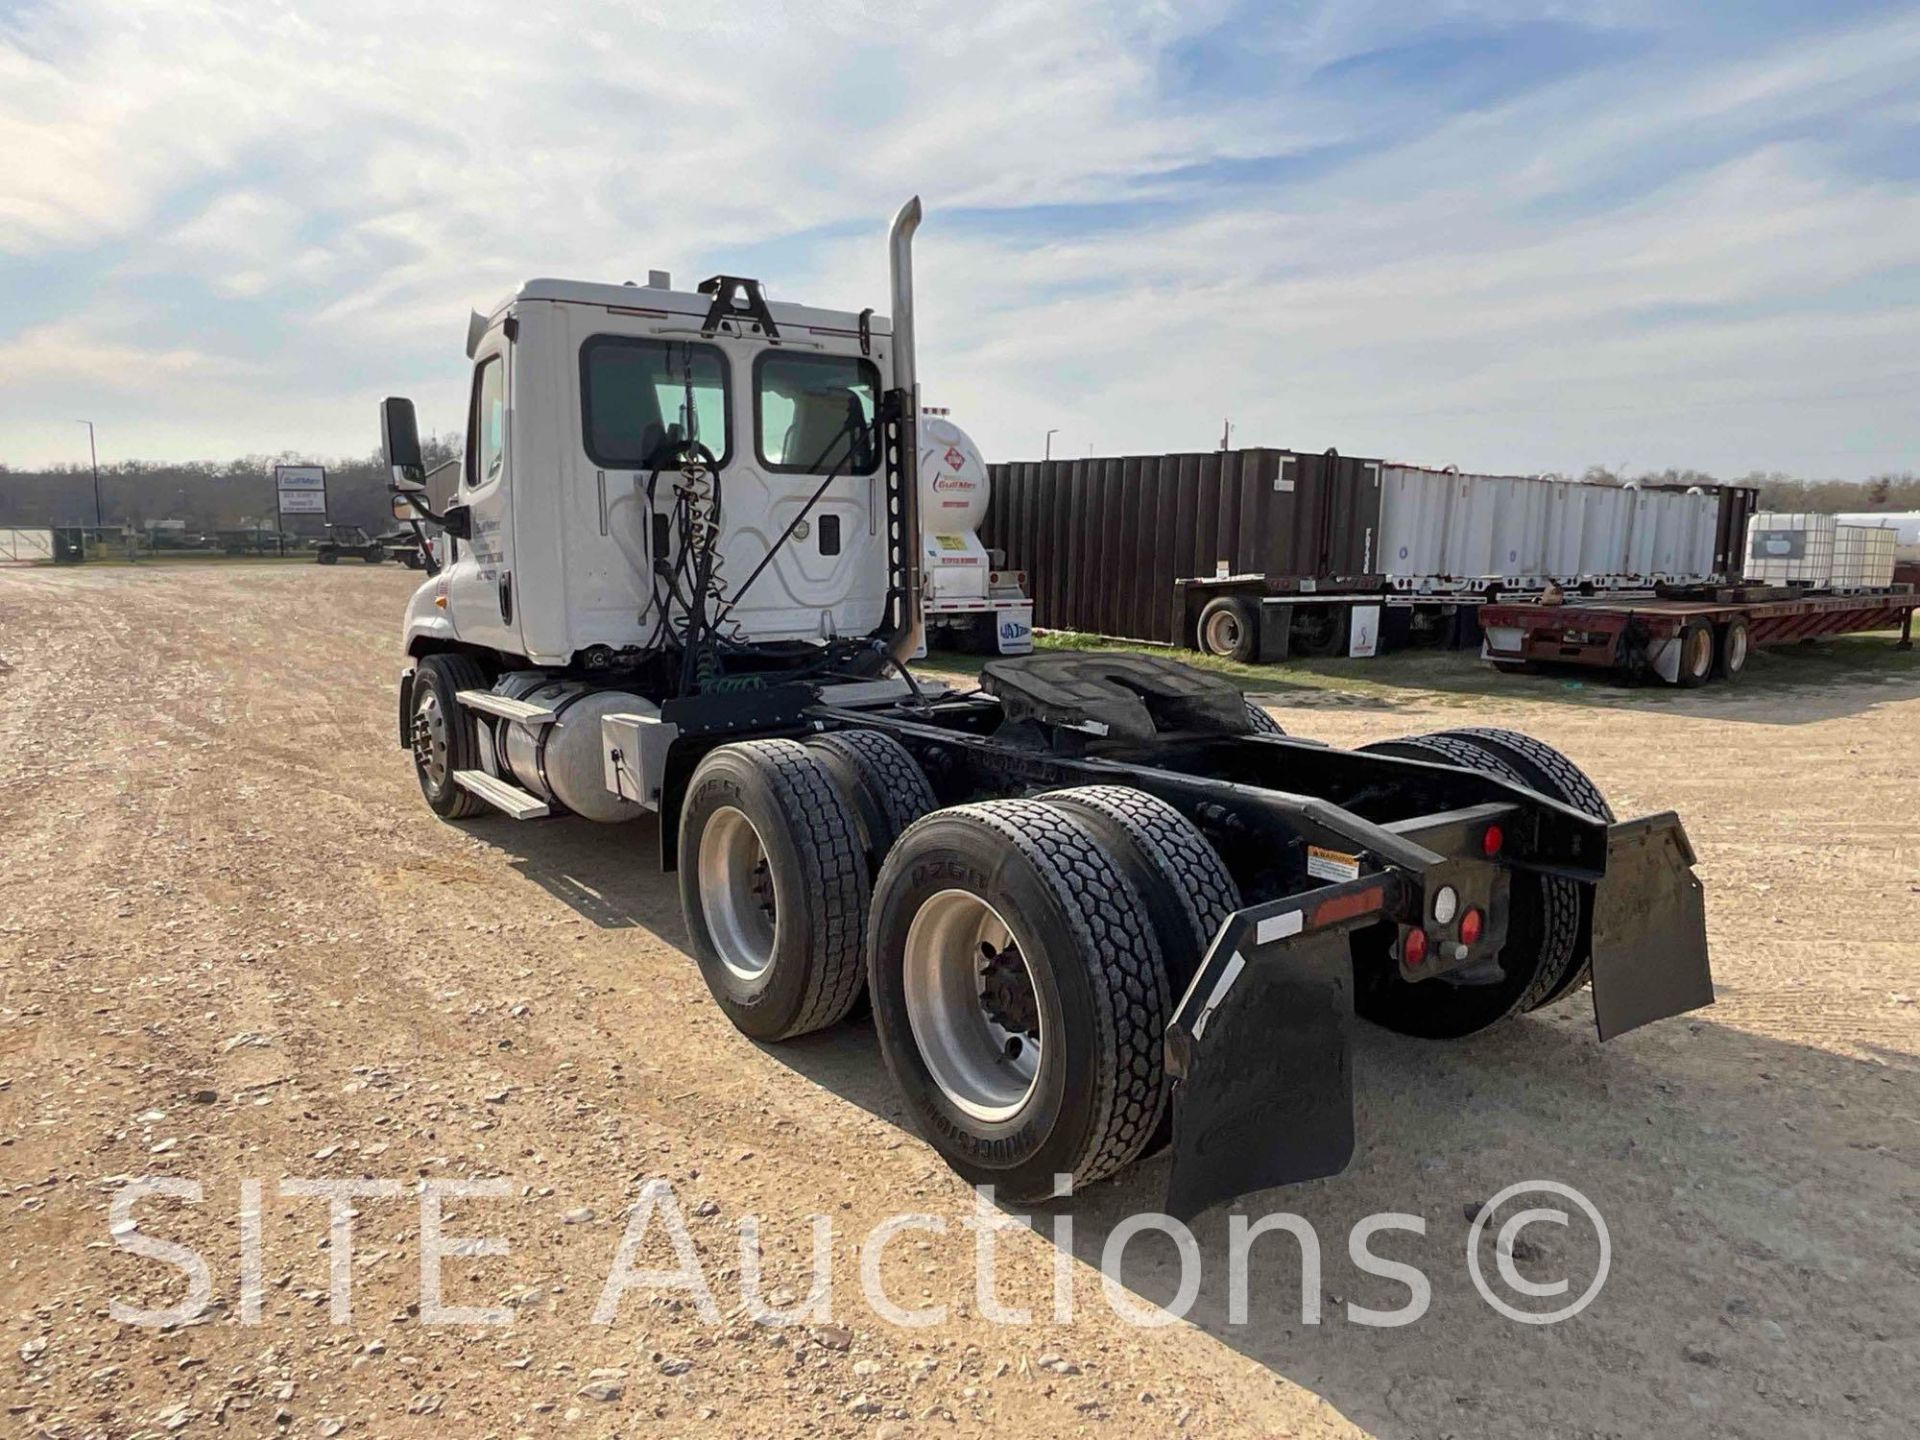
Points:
(236, 947)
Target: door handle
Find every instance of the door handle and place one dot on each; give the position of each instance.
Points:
(506, 598)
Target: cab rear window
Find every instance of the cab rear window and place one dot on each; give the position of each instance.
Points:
(641, 400)
(813, 414)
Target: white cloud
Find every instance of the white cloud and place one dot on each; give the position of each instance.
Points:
(311, 199)
(75, 350)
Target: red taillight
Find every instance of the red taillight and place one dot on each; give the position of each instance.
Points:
(1413, 949)
(1491, 839)
(1471, 925)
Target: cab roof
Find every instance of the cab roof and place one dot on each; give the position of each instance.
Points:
(645, 298)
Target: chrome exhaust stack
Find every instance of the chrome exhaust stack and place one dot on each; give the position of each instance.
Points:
(908, 634)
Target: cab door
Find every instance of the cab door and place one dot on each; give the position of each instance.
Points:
(480, 584)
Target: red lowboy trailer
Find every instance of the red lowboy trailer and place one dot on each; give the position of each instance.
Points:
(1686, 637)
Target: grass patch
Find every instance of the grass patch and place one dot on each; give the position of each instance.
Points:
(1459, 677)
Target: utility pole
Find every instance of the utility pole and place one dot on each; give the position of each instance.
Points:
(1226, 434)
(93, 451)
(1050, 434)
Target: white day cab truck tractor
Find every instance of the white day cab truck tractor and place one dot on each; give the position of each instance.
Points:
(1101, 905)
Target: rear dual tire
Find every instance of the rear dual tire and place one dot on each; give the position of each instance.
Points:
(1548, 916)
(1020, 995)
(774, 887)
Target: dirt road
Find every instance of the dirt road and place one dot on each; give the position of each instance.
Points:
(236, 947)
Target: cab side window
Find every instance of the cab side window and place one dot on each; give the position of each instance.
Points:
(487, 424)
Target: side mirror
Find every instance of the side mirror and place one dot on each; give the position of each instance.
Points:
(400, 438)
(458, 522)
(409, 505)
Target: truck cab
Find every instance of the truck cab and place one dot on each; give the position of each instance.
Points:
(584, 402)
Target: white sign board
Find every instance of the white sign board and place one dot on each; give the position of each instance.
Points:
(302, 489)
(1363, 633)
(300, 477)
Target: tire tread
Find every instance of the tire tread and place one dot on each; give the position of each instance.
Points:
(1124, 966)
(827, 839)
(895, 786)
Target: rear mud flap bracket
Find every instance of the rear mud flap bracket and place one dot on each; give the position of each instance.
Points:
(1649, 928)
(1260, 1048)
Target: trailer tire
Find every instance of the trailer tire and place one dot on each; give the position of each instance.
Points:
(1262, 722)
(1545, 769)
(965, 888)
(774, 887)
(1230, 629)
(1734, 647)
(442, 734)
(1697, 652)
(327, 557)
(1543, 929)
(884, 783)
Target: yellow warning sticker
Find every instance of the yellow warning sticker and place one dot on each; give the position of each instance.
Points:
(951, 542)
(1324, 864)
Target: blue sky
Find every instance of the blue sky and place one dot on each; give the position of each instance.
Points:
(1509, 236)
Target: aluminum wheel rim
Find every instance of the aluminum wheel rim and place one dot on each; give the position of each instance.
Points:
(1700, 652)
(1223, 632)
(986, 1071)
(430, 739)
(1737, 649)
(736, 893)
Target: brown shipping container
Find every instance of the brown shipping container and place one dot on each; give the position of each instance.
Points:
(1103, 540)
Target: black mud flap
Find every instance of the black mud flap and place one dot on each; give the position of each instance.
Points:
(1649, 928)
(1261, 1048)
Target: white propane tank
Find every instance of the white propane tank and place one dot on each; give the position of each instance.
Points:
(954, 493)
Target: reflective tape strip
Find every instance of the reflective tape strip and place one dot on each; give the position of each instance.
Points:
(1225, 983)
(1279, 927)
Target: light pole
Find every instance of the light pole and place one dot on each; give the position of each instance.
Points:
(1050, 434)
(93, 451)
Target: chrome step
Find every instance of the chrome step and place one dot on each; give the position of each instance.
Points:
(505, 707)
(499, 794)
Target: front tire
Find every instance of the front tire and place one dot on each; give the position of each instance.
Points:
(1020, 996)
(442, 733)
(773, 887)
